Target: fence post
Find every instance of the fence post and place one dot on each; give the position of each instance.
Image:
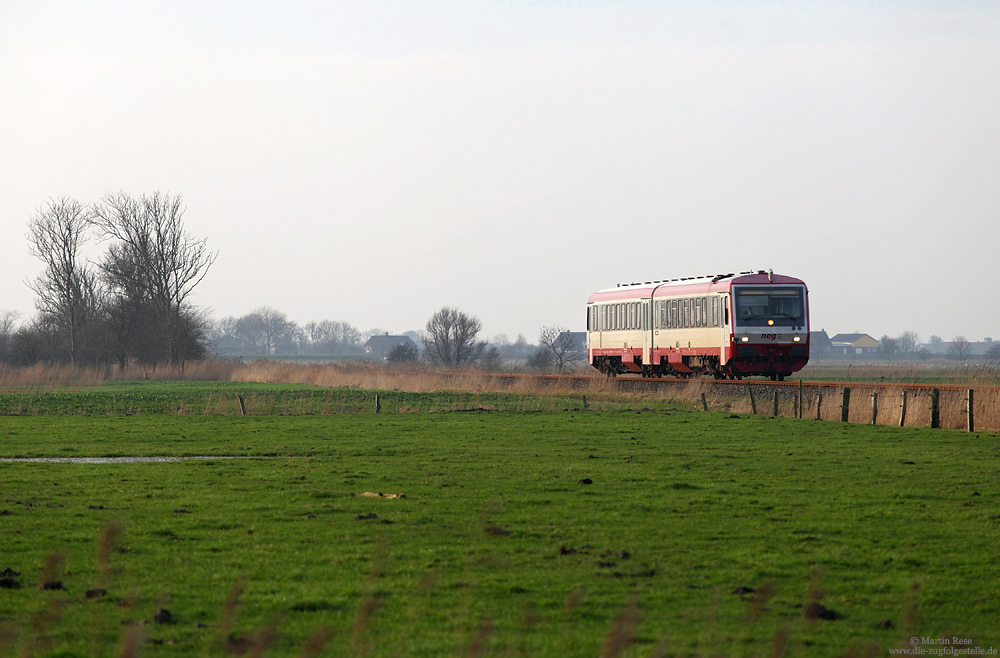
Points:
(775, 414)
(874, 407)
(935, 408)
(819, 405)
(846, 406)
(243, 406)
(902, 410)
(378, 404)
(801, 402)
(753, 403)
(704, 403)
(972, 420)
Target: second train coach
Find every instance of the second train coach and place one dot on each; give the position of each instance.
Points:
(729, 326)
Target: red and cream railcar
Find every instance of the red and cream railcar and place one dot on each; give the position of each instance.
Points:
(729, 326)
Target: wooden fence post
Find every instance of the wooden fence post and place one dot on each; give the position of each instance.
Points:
(819, 405)
(243, 406)
(972, 420)
(378, 404)
(801, 402)
(846, 406)
(704, 402)
(902, 410)
(775, 414)
(874, 407)
(753, 403)
(935, 408)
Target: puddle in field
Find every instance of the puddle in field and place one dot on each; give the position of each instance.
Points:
(122, 460)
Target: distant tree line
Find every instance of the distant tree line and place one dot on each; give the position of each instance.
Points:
(132, 305)
(267, 331)
(908, 346)
(451, 338)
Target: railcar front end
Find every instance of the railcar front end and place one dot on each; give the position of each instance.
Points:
(770, 326)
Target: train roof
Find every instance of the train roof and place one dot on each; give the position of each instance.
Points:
(692, 285)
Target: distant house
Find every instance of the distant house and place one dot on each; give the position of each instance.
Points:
(380, 346)
(853, 345)
(819, 344)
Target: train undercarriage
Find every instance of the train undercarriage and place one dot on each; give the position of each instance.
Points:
(776, 368)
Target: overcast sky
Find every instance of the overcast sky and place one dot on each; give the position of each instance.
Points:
(372, 162)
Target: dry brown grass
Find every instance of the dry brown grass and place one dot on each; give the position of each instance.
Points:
(41, 374)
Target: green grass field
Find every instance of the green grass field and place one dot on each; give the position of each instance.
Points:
(531, 532)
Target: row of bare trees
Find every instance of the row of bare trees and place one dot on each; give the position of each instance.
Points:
(909, 346)
(266, 331)
(130, 305)
(451, 338)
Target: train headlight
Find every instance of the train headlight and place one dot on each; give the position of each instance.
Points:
(770, 323)
(745, 339)
(796, 339)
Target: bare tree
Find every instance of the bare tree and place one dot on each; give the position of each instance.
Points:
(993, 353)
(562, 347)
(403, 353)
(332, 337)
(7, 320)
(66, 288)
(908, 342)
(152, 259)
(265, 328)
(960, 348)
(452, 338)
(888, 348)
(540, 360)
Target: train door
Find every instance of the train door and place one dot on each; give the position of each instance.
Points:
(725, 336)
(645, 325)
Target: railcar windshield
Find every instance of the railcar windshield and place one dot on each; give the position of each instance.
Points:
(770, 306)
